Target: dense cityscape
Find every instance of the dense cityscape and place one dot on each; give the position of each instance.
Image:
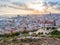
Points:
(30, 22)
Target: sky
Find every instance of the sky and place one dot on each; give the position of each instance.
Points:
(29, 6)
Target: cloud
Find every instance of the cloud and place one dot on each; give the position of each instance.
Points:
(14, 8)
(22, 6)
(57, 7)
(4, 0)
(49, 6)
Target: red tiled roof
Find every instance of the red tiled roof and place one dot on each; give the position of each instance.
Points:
(47, 22)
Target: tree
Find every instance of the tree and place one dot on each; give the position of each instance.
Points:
(39, 33)
(55, 32)
(54, 28)
(34, 34)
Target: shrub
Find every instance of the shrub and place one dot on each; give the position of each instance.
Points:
(55, 32)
